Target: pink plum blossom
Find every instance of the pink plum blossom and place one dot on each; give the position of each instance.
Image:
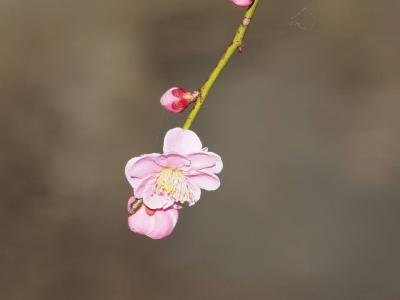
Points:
(176, 176)
(243, 3)
(176, 99)
(155, 224)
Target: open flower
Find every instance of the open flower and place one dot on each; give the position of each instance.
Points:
(176, 176)
(155, 224)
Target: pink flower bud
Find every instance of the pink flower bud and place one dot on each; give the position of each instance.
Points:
(176, 99)
(243, 3)
(155, 224)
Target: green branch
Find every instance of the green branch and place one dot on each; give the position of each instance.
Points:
(233, 47)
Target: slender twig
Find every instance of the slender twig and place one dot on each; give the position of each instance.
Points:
(233, 47)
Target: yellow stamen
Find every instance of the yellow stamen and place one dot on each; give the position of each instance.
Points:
(173, 182)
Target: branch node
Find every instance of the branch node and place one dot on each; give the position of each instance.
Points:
(246, 21)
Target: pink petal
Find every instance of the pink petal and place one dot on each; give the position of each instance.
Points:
(173, 160)
(141, 222)
(157, 225)
(176, 206)
(206, 181)
(155, 201)
(169, 97)
(140, 167)
(165, 222)
(195, 189)
(143, 185)
(132, 161)
(182, 141)
(206, 161)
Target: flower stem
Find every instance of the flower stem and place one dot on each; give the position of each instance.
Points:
(233, 47)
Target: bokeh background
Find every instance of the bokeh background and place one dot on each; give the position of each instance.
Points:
(306, 120)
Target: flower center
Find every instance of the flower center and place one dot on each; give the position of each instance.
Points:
(173, 182)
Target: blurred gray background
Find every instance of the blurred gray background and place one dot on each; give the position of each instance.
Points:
(306, 120)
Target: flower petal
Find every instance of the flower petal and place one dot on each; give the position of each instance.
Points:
(165, 221)
(156, 201)
(140, 167)
(157, 225)
(173, 160)
(206, 161)
(144, 185)
(140, 222)
(204, 180)
(195, 189)
(182, 141)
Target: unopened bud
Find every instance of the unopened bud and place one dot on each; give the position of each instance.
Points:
(243, 3)
(176, 99)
